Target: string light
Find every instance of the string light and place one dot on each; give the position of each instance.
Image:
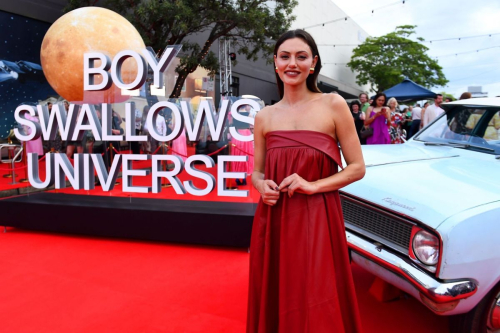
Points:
(427, 41)
(335, 63)
(466, 52)
(345, 18)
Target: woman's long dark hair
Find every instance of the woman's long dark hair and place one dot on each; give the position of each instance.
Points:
(306, 37)
(374, 101)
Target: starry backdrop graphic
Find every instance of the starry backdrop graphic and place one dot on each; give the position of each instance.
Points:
(21, 76)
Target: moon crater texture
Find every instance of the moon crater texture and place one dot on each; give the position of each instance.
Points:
(88, 29)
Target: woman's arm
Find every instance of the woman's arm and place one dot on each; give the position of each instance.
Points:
(351, 149)
(422, 118)
(387, 115)
(267, 188)
(368, 119)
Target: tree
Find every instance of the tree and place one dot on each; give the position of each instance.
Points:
(249, 24)
(385, 61)
(446, 95)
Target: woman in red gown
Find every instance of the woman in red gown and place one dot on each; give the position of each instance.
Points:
(300, 276)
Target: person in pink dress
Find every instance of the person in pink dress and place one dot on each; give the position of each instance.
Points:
(242, 148)
(33, 146)
(378, 118)
(179, 145)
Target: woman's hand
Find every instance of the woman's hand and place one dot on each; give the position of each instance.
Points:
(269, 191)
(295, 183)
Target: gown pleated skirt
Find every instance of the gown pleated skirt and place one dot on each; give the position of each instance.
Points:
(300, 275)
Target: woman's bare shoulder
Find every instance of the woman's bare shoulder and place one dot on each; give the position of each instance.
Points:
(263, 117)
(335, 102)
(333, 99)
(265, 112)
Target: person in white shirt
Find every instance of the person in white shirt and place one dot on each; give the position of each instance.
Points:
(151, 145)
(135, 145)
(161, 128)
(433, 111)
(416, 118)
(161, 125)
(146, 145)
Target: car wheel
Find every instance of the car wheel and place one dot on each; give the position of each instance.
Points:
(484, 318)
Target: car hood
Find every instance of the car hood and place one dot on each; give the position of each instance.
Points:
(427, 183)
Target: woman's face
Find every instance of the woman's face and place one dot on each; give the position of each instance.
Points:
(380, 101)
(294, 60)
(392, 105)
(355, 108)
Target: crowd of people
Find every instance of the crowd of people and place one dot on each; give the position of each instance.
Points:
(382, 121)
(87, 143)
(164, 124)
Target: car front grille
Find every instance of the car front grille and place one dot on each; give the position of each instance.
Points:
(377, 224)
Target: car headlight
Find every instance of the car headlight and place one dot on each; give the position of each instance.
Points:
(426, 247)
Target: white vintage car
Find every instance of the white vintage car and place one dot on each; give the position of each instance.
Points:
(426, 217)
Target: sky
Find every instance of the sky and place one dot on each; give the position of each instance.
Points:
(442, 19)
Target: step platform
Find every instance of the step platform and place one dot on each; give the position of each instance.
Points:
(181, 221)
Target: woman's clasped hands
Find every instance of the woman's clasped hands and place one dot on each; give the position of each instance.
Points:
(270, 191)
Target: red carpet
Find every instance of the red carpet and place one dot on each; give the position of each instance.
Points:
(64, 283)
(20, 174)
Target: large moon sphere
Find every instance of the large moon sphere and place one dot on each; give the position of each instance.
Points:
(88, 29)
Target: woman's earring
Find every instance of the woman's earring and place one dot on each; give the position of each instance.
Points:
(276, 69)
(311, 70)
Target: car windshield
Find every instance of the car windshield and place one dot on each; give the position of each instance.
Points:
(470, 127)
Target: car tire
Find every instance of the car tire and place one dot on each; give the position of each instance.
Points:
(476, 320)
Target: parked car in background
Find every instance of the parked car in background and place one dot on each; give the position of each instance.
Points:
(426, 217)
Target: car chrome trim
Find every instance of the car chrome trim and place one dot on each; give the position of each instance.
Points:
(401, 217)
(376, 238)
(438, 291)
(414, 160)
(383, 209)
(495, 315)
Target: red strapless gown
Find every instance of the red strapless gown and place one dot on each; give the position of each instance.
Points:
(300, 275)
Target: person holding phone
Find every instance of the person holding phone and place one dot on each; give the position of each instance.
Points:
(378, 117)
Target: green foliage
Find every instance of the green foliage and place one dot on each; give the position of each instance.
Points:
(385, 61)
(249, 24)
(445, 95)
